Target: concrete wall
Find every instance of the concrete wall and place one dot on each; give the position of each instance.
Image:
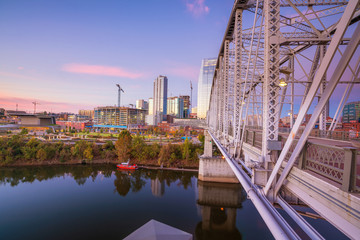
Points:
(30, 120)
(215, 169)
(46, 121)
(196, 123)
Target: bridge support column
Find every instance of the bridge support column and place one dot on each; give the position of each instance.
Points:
(215, 169)
(208, 145)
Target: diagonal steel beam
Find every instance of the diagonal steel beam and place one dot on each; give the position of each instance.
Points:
(344, 61)
(342, 27)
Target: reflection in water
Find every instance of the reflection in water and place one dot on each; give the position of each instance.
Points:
(80, 173)
(157, 187)
(134, 180)
(219, 202)
(125, 181)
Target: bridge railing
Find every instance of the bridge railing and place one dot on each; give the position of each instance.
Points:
(336, 135)
(338, 164)
(254, 138)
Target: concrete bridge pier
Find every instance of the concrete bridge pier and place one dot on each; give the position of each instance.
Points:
(214, 169)
(219, 203)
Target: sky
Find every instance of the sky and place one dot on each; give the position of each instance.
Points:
(69, 55)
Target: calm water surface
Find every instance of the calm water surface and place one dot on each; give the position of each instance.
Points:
(100, 202)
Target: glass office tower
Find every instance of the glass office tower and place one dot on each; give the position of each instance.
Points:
(204, 86)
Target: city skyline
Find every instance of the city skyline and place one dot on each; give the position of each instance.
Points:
(69, 55)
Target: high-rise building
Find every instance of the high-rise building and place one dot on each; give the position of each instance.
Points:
(151, 106)
(351, 112)
(141, 104)
(186, 106)
(204, 86)
(160, 98)
(175, 107)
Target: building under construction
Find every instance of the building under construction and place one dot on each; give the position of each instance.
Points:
(112, 118)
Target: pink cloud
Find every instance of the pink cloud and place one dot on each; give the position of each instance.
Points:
(25, 104)
(189, 72)
(100, 70)
(15, 75)
(197, 7)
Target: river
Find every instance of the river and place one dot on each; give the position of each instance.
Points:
(100, 202)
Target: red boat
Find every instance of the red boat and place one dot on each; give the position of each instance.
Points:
(127, 166)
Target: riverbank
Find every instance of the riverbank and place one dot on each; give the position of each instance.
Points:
(21, 151)
(188, 168)
(171, 169)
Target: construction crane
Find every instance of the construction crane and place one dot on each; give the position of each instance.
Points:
(191, 88)
(35, 103)
(119, 93)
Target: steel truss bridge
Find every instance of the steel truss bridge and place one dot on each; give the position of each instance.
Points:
(287, 57)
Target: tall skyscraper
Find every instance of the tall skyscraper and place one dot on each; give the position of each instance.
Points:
(204, 86)
(160, 98)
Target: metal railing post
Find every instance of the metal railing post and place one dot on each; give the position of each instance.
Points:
(349, 175)
(253, 138)
(302, 158)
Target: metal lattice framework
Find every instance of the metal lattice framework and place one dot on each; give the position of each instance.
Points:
(279, 65)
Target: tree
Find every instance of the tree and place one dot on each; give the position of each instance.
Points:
(138, 148)
(65, 154)
(164, 154)
(202, 138)
(41, 154)
(123, 145)
(88, 153)
(24, 131)
(28, 152)
(79, 148)
(186, 151)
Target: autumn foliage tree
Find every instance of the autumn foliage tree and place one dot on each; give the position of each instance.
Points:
(123, 145)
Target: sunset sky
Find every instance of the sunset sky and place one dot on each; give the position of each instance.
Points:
(68, 55)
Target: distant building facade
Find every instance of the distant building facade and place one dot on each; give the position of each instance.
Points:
(351, 112)
(77, 117)
(2, 113)
(186, 111)
(175, 107)
(89, 113)
(204, 86)
(141, 104)
(118, 117)
(151, 106)
(78, 125)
